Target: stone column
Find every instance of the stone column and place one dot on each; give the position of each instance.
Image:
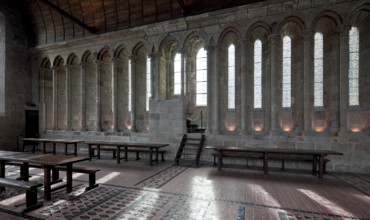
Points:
(213, 88)
(55, 98)
(132, 63)
(83, 96)
(42, 99)
(155, 61)
(183, 81)
(68, 97)
(246, 115)
(114, 94)
(343, 78)
(307, 81)
(98, 97)
(275, 82)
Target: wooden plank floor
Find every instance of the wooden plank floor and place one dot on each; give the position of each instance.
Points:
(133, 190)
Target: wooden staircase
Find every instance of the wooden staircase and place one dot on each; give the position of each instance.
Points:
(190, 146)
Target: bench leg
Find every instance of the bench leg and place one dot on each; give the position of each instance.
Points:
(31, 201)
(92, 181)
(137, 155)
(162, 157)
(283, 164)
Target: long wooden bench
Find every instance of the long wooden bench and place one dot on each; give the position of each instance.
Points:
(136, 150)
(29, 187)
(91, 171)
(87, 170)
(281, 157)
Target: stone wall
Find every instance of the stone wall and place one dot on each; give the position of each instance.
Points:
(100, 115)
(17, 78)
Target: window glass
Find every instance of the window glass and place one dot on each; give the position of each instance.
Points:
(201, 78)
(319, 70)
(257, 74)
(231, 77)
(353, 72)
(287, 68)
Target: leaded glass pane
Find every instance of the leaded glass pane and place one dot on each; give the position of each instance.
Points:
(353, 71)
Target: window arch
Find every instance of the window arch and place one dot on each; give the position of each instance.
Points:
(201, 78)
(319, 70)
(257, 74)
(148, 82)
(231, 77)
(353, 72)
(177, 74)
(287, 72)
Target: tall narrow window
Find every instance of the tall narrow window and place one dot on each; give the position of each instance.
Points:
(354, 64)
(129, 106)
(319, 70)
(177, 74)
(231, 77)
(2, 64)
(257, 74)
(201, 78)
(287, 69)
(148, 82)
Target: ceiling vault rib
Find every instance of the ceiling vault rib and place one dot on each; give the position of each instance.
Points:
(64, 13)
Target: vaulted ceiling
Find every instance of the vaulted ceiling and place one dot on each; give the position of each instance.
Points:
(60, 20)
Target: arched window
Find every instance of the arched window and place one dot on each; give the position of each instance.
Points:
(287, 70)
(129, 86)
(231, 77)
(201, 78)
(177, 74)
(257, 74)
(148, 82)
(353, 72)
(319, 70)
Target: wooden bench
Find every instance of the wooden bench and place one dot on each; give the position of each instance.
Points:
(137, 151)
(86, 170)
(29, 187)
(281, 157)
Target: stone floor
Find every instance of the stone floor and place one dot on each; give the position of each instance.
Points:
(133, 190)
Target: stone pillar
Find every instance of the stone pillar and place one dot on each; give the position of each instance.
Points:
(307, 81)
(83, 96)
(42, 119)
(183, 81)
(343, 78)
(68, 97)
(132, 63)
(155, 61)
(114, 94)
(98, 106)
(55, 98)
(246, 114)
(275, 82)
(213, 88)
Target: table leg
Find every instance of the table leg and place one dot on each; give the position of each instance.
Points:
(66, 149)
(55, 175)
(150, 156)
(69, 177)
(265, 163)
(321, 166)
(44, 147)
(314, 165)
(2, 173)
(98, 149)
(118, 154)
(156, 154)
(75, 149)
(24, 171)
(126, 154)
(220, 159)
(54, 148)
(47, 183)
(90, 151)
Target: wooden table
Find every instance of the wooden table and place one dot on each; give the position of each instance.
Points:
(48, 161)
(318, 155)
(44, 141)
(152, 148)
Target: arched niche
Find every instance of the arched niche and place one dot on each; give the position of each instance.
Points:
(75, 86)
(46, 95)
(61, 90)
